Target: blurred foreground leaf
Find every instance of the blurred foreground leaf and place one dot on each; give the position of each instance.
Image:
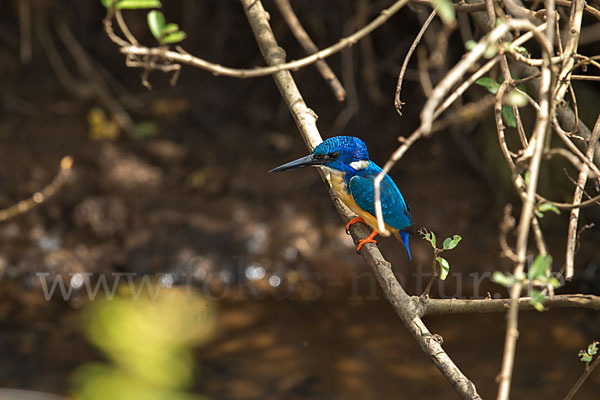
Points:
(148, 338)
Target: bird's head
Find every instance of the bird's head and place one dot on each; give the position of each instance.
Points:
(339, 154)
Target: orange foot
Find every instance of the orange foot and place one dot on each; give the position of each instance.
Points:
(353, 221)
(367, 240)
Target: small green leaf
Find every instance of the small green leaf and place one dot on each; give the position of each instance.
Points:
(451, 243)
(526, 177)
(504, 280)
(490, 51)
(592, 349)
(445, 10)
(170, 28)
(107, 3)
(509, 117)
(470, 44)
(540, 267)
(156, 23)
(516, 98)
(145, 129)
(488, 83)
(553, 281)
(547, 206)
(444, 266)
(536, 300)
(585, 357)
(137, 4)
(433, 240)
(174, 37)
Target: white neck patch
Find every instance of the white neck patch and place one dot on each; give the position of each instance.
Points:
(358, 165)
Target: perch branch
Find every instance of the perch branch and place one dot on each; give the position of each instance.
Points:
(306, 121)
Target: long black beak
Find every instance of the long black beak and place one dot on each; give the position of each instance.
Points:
(300, 163)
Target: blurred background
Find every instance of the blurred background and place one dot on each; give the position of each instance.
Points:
(227, 282)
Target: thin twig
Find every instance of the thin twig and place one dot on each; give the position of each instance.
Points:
(582, 378)
(579, 189)
(287, 12)
(186, 58)
(397, 102)
(38, 198)
(538, 138)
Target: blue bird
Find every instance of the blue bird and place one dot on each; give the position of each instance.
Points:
(352, 176)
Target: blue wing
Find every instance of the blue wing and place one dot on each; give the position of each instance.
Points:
(395, 211)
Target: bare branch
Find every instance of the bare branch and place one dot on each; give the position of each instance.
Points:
(306, 122)
(38, 198)
(286, 10)
(579, 188)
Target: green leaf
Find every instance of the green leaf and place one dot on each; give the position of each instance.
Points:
(504, 280)
(536, 300)
(451, 243)
(526, 177)
(137, 4)
(553, 281)
(429, 236)
(490, 51)
(156, 23)
(445, 267)
(547, 206)
(445, 10)
(585, 357)
(170, 28)
(174, 37)
(488, 83)
(516, 98)
(592, 349)
(470, 44)
(509, 117)
(540, 267)
(145, 129)
(107, 3)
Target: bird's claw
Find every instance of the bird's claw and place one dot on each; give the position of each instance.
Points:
(352, 222)
(362, 242)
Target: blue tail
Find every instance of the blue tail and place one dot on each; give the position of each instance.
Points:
(404, 237)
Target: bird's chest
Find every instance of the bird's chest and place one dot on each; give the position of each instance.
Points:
(338, 183)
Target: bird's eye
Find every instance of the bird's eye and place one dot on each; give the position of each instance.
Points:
(333, 156)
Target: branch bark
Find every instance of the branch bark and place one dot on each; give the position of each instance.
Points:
(305, 119)
(464, 306)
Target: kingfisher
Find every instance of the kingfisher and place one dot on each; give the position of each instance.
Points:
(352, 175)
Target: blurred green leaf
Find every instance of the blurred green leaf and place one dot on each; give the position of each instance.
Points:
(170, 28)
(156, 23)
(451, 243)
(536, 300)
(145, 129)
(488, 83)
(470, 44)
(445, 10)
(544, 207)
(516, 98)
(592, 349)
(107, 3)
(540, 268)
(444, 266)
(509, 117)
(137, 4)
(504, 280)
(174, 37)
